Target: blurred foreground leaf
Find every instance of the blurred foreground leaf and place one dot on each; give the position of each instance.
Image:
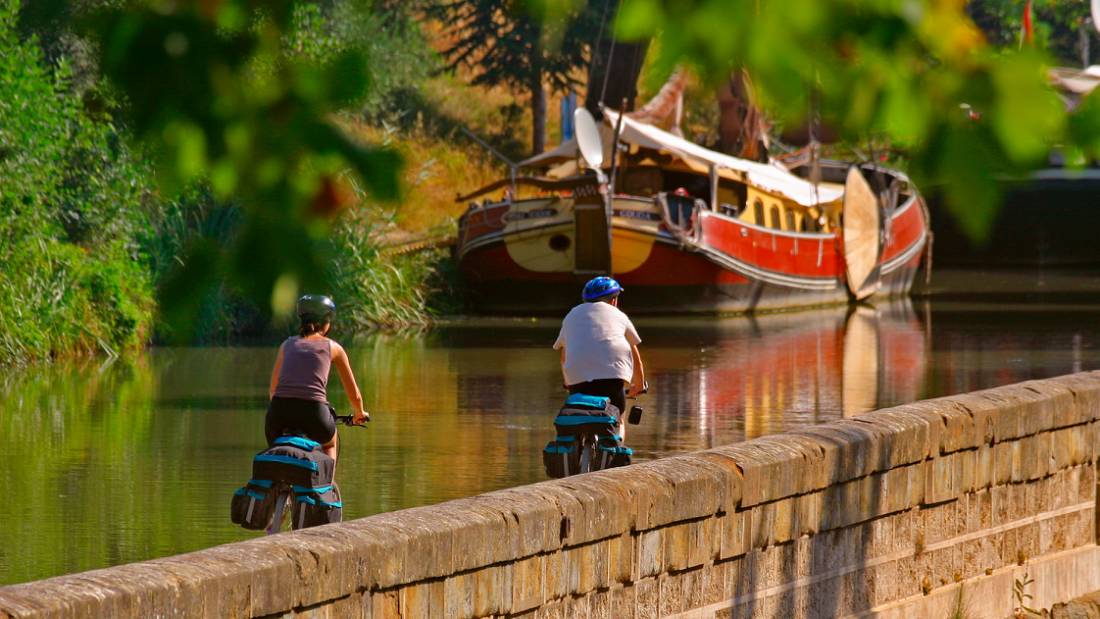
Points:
(225, 94)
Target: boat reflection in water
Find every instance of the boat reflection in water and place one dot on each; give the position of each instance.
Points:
(751, 376)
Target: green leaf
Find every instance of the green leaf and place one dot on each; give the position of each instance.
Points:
(1028, 117)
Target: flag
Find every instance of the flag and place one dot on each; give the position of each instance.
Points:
(1027, 22)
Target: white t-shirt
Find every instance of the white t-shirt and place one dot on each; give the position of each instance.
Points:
(597, 338)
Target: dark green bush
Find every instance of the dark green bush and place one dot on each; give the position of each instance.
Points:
(73, 277)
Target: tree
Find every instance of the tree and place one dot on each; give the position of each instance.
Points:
(524, 46)
(1062, 27)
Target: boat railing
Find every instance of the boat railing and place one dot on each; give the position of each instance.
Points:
(773, 231)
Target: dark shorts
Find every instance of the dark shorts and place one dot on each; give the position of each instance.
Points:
(612, 388)
(290, 415)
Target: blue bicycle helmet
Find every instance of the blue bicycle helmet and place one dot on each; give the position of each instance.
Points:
(600, 288)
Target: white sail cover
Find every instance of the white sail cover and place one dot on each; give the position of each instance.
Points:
(769, 177)
(765, 176)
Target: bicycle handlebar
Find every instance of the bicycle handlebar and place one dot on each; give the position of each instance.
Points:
(349, 420)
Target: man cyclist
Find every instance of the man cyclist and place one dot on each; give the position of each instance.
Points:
(599, 346)
(299, 380)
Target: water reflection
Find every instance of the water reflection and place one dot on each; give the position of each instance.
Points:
(114, 463)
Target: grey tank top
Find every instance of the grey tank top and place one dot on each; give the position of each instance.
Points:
(304, 373)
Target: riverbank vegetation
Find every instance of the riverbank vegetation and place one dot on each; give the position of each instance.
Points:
(181, 174)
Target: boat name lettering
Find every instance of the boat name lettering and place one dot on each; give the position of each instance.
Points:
(535, 214)
(630, 214)
(586, 191)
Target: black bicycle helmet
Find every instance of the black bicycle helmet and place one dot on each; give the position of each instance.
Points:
(316, 308)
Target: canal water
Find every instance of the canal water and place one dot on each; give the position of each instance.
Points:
(108, 463)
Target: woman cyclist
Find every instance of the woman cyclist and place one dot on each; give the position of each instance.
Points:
(299, 381)
(599, 346)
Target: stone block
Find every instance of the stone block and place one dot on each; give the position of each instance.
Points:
(485, 532)
(547, 515)
(649, 553)
(984, 472)
(601, 570)
(815, 467)
(727, 468)
(705, 542)
(767, 470)
(849, 448)
(677, 540)
(527, 583)
(734, 531)
(421, 535)
(559, 609)
(458, 596)
(606, 500)
(220, 588)
(1085, 390)
(693, 588)
(784, 521)
(599, 605)
(957, 430)
(623, 602)
(808, 509)
(423, 600)
(713, 582)
(763, 521)
(386, 604)
(493, 590)
(647, 597)
(697, 489)
(942, 478)
(565, 570)
(327, 566)
(671, 599)
(621, 559)
(275, 584)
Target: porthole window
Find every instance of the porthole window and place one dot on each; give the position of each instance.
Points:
(559, 242)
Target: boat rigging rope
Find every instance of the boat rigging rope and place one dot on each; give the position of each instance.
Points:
(610, 54)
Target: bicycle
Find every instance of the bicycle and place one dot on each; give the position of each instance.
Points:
(284, 493)
(592, 443)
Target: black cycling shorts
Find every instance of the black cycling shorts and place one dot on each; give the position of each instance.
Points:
(293, 416)
(612, 388)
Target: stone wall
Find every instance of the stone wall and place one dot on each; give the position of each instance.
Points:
(906, 512)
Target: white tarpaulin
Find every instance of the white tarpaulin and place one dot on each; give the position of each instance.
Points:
(765, 176)
(768, 177)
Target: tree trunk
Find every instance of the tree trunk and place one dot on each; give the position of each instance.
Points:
(538, 114)
(615, 67)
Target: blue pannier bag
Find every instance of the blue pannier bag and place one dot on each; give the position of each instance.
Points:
(587, 414)
(611, 452)
(561, 457)
(314, 506)
(292, 461)
(253, 505)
